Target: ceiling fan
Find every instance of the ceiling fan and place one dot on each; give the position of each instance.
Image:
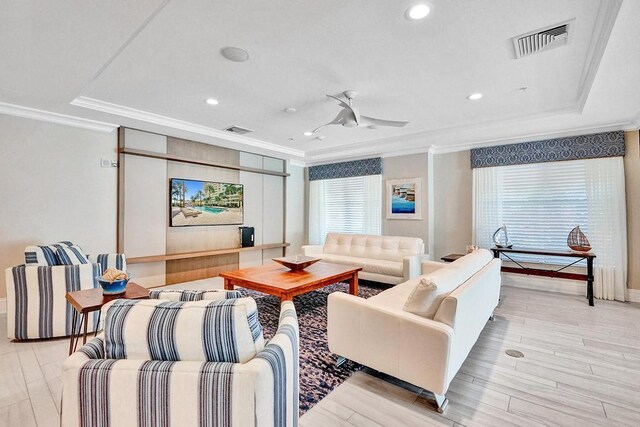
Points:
(350, 117)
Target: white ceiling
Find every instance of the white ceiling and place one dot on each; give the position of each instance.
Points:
(152, 63)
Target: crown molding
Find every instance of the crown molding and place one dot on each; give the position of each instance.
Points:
(61, 119)
(605, 20)
(145, 116)
(297, 163)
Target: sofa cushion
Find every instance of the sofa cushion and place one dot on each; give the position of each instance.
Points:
(71, 255)
(379, 266)
(391, 248)
(214, 331)
(429, 294)
(40, 255)
(44, 255)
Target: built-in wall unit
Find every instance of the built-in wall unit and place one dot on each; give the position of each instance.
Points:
(181, 203)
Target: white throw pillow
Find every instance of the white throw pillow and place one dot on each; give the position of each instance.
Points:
(421, 300)
(425, 300)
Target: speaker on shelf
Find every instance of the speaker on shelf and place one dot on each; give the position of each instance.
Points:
(247, 236)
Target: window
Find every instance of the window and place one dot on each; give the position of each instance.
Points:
(345, 205)
(539, 203)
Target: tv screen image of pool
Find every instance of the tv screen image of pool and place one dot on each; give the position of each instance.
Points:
(205, 203)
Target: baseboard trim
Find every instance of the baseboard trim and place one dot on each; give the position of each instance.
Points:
(633, 295)
(3, 305)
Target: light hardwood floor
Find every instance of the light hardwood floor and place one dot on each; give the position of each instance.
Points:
(581, 367)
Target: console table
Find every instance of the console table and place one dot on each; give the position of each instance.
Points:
(589, 256)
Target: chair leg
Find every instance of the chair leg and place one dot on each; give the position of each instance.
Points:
(341, 361)
(441, 402)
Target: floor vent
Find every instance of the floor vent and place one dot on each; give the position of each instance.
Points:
(514, 353)
(541, 40)
(237, 129)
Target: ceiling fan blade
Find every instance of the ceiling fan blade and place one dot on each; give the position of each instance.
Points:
(340, 101)
(380, 122)
(356, 113)
(338, 120)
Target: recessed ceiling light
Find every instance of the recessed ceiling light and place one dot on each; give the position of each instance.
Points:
(474, 96)
(418, 11)
(308, 133)
(212, 101)
(234, 54)
(290, 110)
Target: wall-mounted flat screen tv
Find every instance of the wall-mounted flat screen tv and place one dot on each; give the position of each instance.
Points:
(205, 203)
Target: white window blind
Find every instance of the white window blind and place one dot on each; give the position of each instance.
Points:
(542, 202)
(539, 203)
(345, 205)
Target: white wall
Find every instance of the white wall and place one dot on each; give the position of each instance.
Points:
(453, 210)
(53, 188)
(410, 166)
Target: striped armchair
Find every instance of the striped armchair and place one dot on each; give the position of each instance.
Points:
(184, 363)
(36, 304)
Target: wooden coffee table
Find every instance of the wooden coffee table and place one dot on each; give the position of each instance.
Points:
(283, 283)
(88, 300)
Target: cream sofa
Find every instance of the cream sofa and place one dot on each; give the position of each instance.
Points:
(379, 333)
(386, 259)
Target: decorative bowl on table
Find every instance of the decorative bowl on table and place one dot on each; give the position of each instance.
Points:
(296, 263)
(114, 282)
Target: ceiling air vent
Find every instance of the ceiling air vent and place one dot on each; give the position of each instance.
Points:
(541, 40)
(237, 129)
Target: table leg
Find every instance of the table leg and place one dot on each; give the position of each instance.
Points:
(590, 281)
(353, 284)
(77, 330)
(95, 332)
(74, 320)
(86, 321)
(227, 285)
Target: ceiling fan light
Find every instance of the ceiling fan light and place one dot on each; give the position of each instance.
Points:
(350, 124)
(417, 12)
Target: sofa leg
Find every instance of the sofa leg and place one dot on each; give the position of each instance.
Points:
(341, 361)
(491, 318)
(441, 402)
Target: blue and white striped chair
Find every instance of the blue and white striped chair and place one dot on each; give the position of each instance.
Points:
(184, 363)
(36, 304)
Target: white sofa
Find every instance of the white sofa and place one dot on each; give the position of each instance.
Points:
(386, 259)
(379, 333)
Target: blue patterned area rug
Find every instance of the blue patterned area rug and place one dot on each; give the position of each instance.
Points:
(318, 372)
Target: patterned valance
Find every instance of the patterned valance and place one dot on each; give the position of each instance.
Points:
(607, 144)
(346, 169)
